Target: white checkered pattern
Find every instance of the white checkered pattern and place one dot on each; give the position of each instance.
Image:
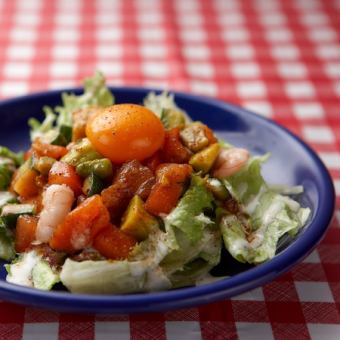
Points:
(280, 59)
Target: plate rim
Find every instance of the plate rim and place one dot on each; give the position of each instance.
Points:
(186, 297)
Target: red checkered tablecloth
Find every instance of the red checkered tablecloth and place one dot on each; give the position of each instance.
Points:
(278, 58)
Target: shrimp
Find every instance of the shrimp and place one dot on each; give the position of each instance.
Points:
(57, 202)
(230, 161)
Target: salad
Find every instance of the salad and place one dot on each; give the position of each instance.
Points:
(126, 198)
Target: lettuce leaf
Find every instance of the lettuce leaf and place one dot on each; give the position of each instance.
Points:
(159, 102)
(194, 239)
(189, 215)
(16, 157)
(141, 272)
(95, 93)
(252, 235)
(59, 120)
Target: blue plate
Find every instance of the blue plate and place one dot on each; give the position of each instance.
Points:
(292, 162)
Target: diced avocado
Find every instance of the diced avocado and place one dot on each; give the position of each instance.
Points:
(83, 151)
(193, 137)
(204, 160)
(136, 221)
(218, 189)
(92, 185)
(172, 118)
(44, 165)
(7, 251)
(43, 276)
(100, 167)
(11, 212)
(6, 197)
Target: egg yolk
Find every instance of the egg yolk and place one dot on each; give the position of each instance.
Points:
(125, 132)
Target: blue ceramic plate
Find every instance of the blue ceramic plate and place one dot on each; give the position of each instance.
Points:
(292, 162)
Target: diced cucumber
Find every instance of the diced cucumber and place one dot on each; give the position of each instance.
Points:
(58, 136)
(92, 185)
(6, 197)
(65, 133)
(6, 173)
(43, 276)
(83, 151)
(7, 251)
(100, 167)
(11, 212)
(44, 165)
(218, 189)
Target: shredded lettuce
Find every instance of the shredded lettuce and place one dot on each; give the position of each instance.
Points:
(189, 215)
(16, 157)
(96, 93)
(58, 121)
(159, 102)
(253, 234)
(164, 106)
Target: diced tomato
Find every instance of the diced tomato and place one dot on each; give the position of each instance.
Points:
(49, 150)
(173, 151)
(25, 232)
(153, 162)
(113, 243)
(209, 134)
(170, 180)
(81, 226)
(28, 154)
(63, 173)
(132, 178)
(24, 183)
(35, 200)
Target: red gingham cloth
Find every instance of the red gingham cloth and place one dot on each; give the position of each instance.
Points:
(278, 58)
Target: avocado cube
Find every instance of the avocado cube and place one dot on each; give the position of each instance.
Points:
(136, 221)
(204, 160)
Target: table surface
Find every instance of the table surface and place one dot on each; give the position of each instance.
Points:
(280, 59)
